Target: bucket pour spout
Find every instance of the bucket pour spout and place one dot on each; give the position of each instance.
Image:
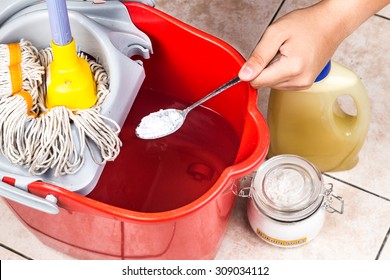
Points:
(70, 81)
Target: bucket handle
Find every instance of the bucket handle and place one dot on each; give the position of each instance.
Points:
(18, 192)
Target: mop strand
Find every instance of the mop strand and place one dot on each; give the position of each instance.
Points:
(18, 53)
(22, 68)
(42, 139)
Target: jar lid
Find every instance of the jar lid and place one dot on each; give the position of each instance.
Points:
(287, 188)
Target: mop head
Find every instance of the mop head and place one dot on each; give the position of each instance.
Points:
(42, 139)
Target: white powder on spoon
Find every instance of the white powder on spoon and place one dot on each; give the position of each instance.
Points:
(159, 124)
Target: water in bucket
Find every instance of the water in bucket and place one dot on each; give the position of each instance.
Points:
(170, 172)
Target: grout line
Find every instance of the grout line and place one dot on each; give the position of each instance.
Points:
(383, 245)
(272, 19)
(14, 251)
(379, 196)
(384, 17)
(356, 187)
(276, 13)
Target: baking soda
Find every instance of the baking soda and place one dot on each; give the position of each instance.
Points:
(288, 208)
(159, 124)
(286, 188)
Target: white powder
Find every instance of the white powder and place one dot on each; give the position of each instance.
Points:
(286, 188)
(159, 124)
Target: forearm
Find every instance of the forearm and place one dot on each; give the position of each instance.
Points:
(350, 14)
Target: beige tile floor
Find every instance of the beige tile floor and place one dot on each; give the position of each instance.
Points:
(362, 232)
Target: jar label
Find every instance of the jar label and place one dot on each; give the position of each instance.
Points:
(278, 242)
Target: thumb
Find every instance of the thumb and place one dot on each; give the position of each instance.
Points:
(265, 53)
(250, 70)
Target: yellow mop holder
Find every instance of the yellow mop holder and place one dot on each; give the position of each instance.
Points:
(70, 82)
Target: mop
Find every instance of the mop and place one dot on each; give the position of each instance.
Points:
(20, 75)
(37, 127)
(20, 65)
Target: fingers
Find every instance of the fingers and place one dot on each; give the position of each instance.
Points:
(269, 66)
(262, 55)
(284, 74)
(303, 53)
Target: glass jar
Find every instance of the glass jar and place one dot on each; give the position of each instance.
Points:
(288, 201)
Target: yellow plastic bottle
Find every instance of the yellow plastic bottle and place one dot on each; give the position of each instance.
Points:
(312, 124)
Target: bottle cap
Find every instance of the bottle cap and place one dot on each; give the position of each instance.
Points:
(324, 72)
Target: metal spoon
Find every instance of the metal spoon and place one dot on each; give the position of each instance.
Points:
(168, 121)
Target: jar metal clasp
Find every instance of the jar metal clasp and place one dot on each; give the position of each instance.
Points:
(244, 188)
(330, 198)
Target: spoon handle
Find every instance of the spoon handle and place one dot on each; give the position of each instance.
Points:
(225, 86)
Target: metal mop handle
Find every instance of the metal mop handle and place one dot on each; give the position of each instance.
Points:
(59, 22)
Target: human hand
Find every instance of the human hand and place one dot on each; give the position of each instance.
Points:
(306, 40)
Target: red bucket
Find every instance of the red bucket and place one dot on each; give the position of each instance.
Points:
(169, 198)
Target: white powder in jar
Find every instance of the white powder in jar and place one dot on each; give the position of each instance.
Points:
(159, 124)
(286, 189)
